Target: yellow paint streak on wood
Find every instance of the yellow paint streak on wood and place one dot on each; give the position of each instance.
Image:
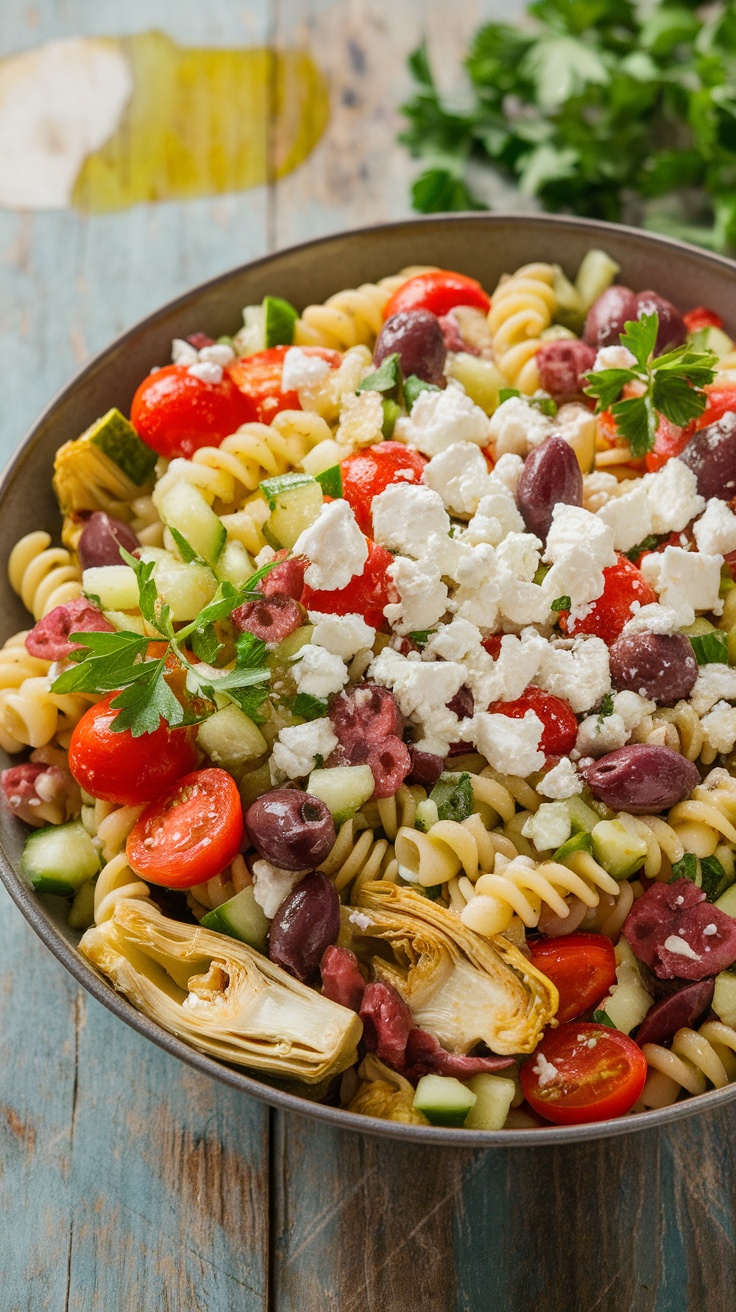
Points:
(203, 122)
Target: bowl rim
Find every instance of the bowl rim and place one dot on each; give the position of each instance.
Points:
(32, 906)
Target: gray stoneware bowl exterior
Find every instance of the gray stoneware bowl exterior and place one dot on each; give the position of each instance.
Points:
(482, 245)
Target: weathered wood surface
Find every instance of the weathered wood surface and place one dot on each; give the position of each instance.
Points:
(128, 1182)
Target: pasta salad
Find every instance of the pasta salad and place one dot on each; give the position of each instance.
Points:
(378, 714)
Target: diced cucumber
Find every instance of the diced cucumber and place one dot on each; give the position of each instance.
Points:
(494, 1095)
(453, 795)
(295, 501)
(580, 842)
(323, 456)
(557, 333)
(117, 438)
(115, 586)
(481, 378)
(60, 859)
(582, 816)
(254, 784)
(235, 564)
(597, 271)
(444, 1100)
(231, 739)
(619, 850)
(279, 318)
(426, 816)
(240, 917)
(724, 997)
(287, 649)
(715, 340)
(727, 901)
(330, 480)
(187, 589)
(570, 311)
(629, 1001)
(197, 530)
(343, 789)
(82, 910)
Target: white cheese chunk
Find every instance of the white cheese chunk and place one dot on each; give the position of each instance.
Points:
(409, 518)
(302, 370)
(422, 595)
(495, 517)
(629, 516)
(438, 419)
(335, 547)
(318, 673)
(632, 708)
(343, 635)
(561, 781)
(296, 750)
(579, 548)
(686, 581)
(516, 427)
(578, 671)
(719, 727)
(271, 885)
(510, 746)
(598, 734)
(715, 683)
(715, 531)
(653, 618)
(613, 357)
(508, 470)
(460, 475)
(206, 371)
(422, 690)
(673, 497)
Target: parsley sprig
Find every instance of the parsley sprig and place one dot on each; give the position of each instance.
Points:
(106, 662)
(672, 385)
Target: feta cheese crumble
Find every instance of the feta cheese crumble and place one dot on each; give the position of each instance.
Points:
(335, 547)
(297, 747)
(562, 781)
(318, 672)
(343, 635)
(422, 595)
(715, 531)
(439, 419)
(271, 884)
(685, 581)
(302, 370)
(511, 746)
(460, 475)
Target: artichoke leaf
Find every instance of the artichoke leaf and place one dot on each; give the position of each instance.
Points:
(463, 988)
(384, 1093)
(221, 996)
(86, 478)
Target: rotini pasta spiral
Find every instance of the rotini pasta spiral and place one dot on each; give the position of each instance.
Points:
(42, 575)
(696, 1059)
(519, 886)
(449, 847)
(677, 727)
(17, 664)
(521, 308)
(110, 825)
(31, 715)
(116, 881)
(358, 857)
(213, 892)
(353, 317)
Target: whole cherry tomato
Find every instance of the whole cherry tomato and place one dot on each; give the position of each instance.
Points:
(191, 833)
(559, 720)
(176, 413)
(582, 968)
(116, 767)
(258, 377)
(623, 584)
(438, 291)
(367, 473)
(366, 594)
(701, 317)
(583, 1072)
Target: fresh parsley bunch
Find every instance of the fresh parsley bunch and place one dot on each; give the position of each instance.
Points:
(109, 662)
(598, 107)
(669, 385)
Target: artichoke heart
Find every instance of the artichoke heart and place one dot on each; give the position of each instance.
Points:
(104, 469)
(463, 988)
(221, 996)
(384, 1093)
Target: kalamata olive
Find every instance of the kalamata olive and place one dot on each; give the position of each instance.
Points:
(711, 454)
(642, 778)
(270, 620)
(49, 638)
(657, 665)
(426, 768)
(417, 337)
(561, 367)
(286, 578)
(463, 703)
(306, 923)
(672, 331)
(101, 540)
(365, 711)
(388, 758)
(682, 1008)
(551, 475)
(290, 828)
(607, 316)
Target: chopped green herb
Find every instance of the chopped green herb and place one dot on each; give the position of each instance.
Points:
(710, 648)
(385, 379)
(603, 1018)
(413, 386)
(561, 603)
(206, 644)
(420, 636)
(453, 796)
(713, 878)
(507, 393)
(545, 404)
(186, 550)
(391, 412)
(433, 892)
(606, 707)
(308, 707)
(685, 868)
(648, 544)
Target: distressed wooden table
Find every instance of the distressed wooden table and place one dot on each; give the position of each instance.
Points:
(127, 1181)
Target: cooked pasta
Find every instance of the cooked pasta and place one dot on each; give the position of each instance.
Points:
(696, 1060)
(358, 858)
(350, 318)
(42, 575)
(522, 307)
(116, 881)
(32, 715)
(522, 887)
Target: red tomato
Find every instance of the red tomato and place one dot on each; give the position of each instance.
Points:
(598, 1072)
(582, 968)
(492, 645)
(701, 317)
(623, 584)
(259, 378)
(191, 833)
(176, 413)
(669, 442)
(559, 720)
(366, 594)
(720, 400)
(438, 291)
(367, 473)
(117, 767)
(683, 539)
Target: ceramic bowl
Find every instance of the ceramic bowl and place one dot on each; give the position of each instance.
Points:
(482, 245)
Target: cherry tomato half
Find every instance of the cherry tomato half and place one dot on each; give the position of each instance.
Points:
(190, 834)
(623, 584)
(596, 1073)
(176, 413)
(367, 473)
(438, 291)
(559, 720)
(701, 317)
(366, 594)
(582, 968)
(258, 377)
(669, 442)
(116, 767)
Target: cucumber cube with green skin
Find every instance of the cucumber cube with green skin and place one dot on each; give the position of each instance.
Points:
(443, 1099)
(597, 271)
(295, 501)
(198, 531)
(330, 480)
(231, 740)
(494, 1095)
(235, 565)
(343, 789)
(187, 589)
(727, 901)
(618, 850)
(279, 318)
(117, 439)
(580, 842)
(60, 859)
(724, 996)
(240, 917)
(114, 586)
(582, 816)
